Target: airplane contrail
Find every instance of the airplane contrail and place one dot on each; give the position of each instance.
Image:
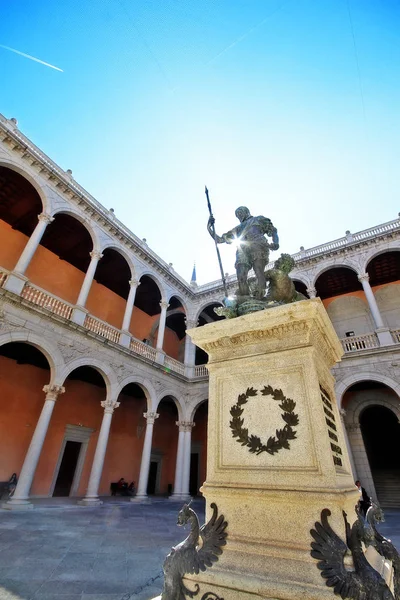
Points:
(31, 58)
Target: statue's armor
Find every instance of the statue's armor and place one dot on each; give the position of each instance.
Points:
(254, 246)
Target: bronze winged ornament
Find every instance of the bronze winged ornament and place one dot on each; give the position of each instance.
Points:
(384, 546)
(199, 550)
(362, 583)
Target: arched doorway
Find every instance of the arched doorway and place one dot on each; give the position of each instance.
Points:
(380, 430)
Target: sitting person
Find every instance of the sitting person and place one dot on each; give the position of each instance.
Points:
(12, 484)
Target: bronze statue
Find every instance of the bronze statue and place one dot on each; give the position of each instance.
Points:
(252, 248)
(281, 288)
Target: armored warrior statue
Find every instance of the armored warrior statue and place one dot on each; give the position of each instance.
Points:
(252, 248)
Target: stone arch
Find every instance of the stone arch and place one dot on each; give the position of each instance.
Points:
(156, 280)
(181, 300)
(299, 276)
(204, 306)
(364, 404)
(110, 245)
(104, 369)
(40, 189)
(91, 230)
(147, 387)
(195, 407)
(345, 264)
(392, 246)
(350, 313)
(172, 394)
(342, 386)
(49, 350)
(388, 300)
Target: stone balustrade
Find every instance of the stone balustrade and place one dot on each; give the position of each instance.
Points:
(200, 371)
(396, 335)
(101, 328)
(360, 342)
(46, 300)
(142, 349)
(174, 365)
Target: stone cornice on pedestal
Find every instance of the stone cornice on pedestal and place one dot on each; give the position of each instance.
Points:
(304, 323)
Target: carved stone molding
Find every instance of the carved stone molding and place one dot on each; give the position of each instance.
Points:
(96, 255)
(185, 425)
(53, 391)
(150, 417)
(46, 218)
(109, 405)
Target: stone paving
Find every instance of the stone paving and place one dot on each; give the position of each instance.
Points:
(61, 551)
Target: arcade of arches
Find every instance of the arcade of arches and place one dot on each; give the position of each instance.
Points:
(92, 440)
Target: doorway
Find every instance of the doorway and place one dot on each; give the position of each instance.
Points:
(194, 474)
(381, 434)
(154, 480)
(67, 469)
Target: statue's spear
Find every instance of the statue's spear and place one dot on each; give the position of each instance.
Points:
(216, 245)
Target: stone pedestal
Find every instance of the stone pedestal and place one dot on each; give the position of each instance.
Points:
(271, 501)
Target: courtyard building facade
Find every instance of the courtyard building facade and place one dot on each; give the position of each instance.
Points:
(98, 379)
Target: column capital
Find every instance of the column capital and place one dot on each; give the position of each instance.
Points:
(312, 292)
(164, 305)
(45, 217)
(95, 255)
(134, 282)
(53, 391)
(150, 417)
(109, 405)
(190, 323)
(185, 425)
(363, 277)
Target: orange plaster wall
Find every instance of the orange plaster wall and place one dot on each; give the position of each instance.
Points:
(141, 324)
(165, 439)
(106, 305)
(12, 243)
(54, 275)
(171, 343)
(125, 444)
(80, 404)
(21, 401)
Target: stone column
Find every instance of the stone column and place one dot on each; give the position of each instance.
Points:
(125, 336)
(161, 330)
(92, 493)
(187, 427)
(177, 494)
(312, 292)
(20, 500)
(383, 333)
(16, 280)
(146, 454)
(190, 351)
(79, 313)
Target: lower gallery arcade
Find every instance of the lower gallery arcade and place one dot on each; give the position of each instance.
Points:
(75, 439)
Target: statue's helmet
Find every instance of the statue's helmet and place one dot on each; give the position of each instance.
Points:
(243, 212)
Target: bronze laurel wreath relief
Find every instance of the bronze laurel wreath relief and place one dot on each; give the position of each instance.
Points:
(282, 436)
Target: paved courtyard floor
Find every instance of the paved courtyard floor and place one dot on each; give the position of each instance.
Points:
(61, 551)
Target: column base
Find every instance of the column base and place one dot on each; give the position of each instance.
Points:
(90, 502)
(15, 283)
(384, 336)
(140, 499)
(17, 505)
(78, 315)
(160, 356)
(180, 497)
(125, 339)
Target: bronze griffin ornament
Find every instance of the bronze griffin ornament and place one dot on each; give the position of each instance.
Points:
(199, 550)
(362, 583)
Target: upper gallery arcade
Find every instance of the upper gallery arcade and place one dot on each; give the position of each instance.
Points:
(92, 313)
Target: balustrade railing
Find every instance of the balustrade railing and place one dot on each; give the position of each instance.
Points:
(143, 349)
(200, 371)
(46, 300)
(175, 365)
(101, 328)
(3, 277)
(360, 342)
(396, 335)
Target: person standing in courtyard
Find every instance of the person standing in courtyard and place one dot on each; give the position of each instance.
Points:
(364, 501)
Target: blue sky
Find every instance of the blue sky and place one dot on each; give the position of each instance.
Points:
(290, 107)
